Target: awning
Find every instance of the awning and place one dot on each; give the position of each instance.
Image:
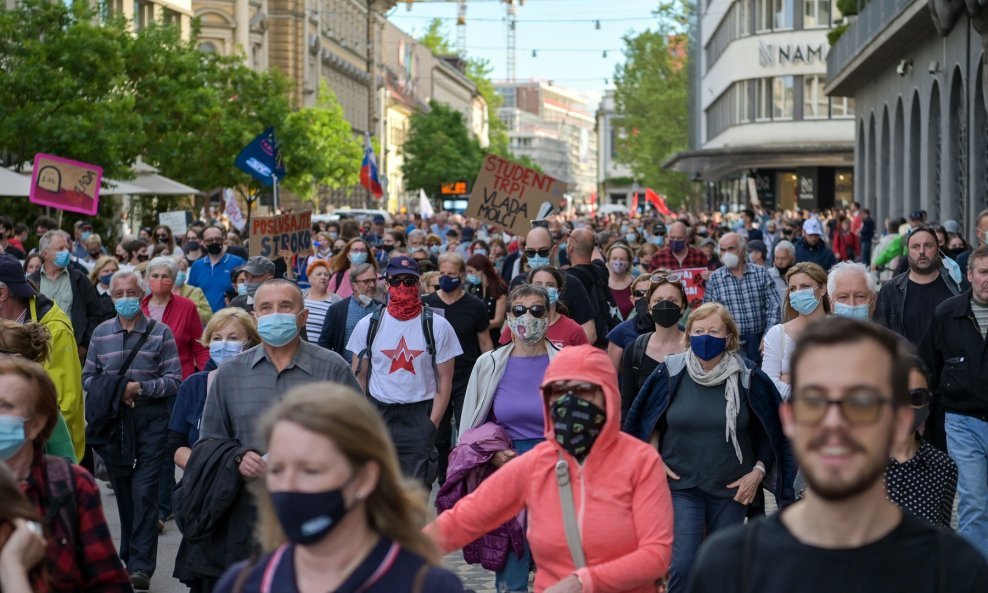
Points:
(714, 164)
(148, 177)
(14, 184)
(113, 187)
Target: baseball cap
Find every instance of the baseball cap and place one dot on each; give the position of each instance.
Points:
(917, 215)
(952, 227)
(402, 264)
(259, 266)
(12, 275)
(813, 227)
(378, 219)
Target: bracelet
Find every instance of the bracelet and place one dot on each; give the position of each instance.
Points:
(760, 467)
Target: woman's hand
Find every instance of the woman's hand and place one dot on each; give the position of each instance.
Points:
(747, 486)
(671, 474)
(568, 585)
(784, 377)
(23, 549)
(502, 457)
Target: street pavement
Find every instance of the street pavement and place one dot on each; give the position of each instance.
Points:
(473, 577)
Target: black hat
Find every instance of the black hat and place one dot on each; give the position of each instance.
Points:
(12, 275)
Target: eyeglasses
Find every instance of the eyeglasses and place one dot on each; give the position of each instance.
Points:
(541, 252)
(639, 294)
(537, 311)
(434, 287)
(859, 409)
(670, 278)
(919, 398)
(162, 237)
(580, 390)
(366, 282)
(407, 281)
(212, 241)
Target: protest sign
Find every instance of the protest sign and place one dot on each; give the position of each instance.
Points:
(510, 195)
(271, 235)
(695, 285)
(65, 184)
(176, 220)
(233, 211)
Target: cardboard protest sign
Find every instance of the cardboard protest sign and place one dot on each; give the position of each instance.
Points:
(510, 195)
(270, 235)
(694, 284)
(65, 184)
(177, 220)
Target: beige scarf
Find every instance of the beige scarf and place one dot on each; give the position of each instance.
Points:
(727, 372)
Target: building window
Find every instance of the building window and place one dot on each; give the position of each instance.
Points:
(207, 47)
(783, 93)
(816, 14)
(815, 103)
(743, 12)
(842, 107)
(143, 14)
(783, 14)
(764, 16)
(170, 17)
(741, 111)
(763, 99)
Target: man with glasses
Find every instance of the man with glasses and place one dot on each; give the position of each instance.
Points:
(212, 273)
(144, 352)
(343, 315)
(850, 401)
(403, 359)
(954, 349)
(906, 302)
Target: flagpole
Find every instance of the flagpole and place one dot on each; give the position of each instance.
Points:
(275, 195)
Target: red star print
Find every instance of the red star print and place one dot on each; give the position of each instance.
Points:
(402, 356)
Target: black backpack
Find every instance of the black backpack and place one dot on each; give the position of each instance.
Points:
(637, 356)
(594, 279)
(375, 323)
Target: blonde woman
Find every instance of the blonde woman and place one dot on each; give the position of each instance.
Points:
(805, 301)
(334, 512)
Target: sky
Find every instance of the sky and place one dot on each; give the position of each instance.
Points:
(569, 48)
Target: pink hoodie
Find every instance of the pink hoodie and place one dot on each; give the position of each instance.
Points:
(621, 496)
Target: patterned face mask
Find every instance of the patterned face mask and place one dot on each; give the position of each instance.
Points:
(577, 424)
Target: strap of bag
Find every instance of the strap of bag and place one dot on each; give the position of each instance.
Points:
(750, 540)
(418, 585)
(569, 513)
(137, 348)
(638, 355)
(366, 353)
(430, 338)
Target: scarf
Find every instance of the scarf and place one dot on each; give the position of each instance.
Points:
(404, 302)
(726, 371)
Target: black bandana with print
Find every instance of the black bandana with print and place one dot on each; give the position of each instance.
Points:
(577, 424)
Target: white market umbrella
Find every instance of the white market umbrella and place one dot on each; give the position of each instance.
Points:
(14, 184)
(148, 177)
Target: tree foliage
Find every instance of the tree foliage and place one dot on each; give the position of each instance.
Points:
(651, 99)
(439, 150)
(318, 142)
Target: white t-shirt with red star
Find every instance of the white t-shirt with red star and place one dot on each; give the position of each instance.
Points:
(402, 372)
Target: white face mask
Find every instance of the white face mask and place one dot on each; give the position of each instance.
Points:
(731, 260)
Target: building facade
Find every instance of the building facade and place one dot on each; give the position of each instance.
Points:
(555, 127)
(614, 179)
(230, 27)
(762, 129)
(916, 72)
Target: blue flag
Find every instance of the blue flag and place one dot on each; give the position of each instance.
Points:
(261, 159)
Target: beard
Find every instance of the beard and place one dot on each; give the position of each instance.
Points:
(922, 265)
(833, 490)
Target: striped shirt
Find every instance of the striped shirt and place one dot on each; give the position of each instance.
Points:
(980, 313)
(317, 315)
(752, 299)
(156, 366)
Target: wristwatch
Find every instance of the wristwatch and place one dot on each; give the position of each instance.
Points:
(140, 390)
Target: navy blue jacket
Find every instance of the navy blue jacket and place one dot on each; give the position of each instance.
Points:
(820, 255)
(756, 389)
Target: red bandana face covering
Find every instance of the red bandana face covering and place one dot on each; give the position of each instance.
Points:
(404, 302)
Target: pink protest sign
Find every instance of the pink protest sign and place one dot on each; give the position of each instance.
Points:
(65, 184)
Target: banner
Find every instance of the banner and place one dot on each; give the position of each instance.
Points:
(177, 220)
(657, 201)
(510, 195)
(261, 159)
(695, 285)
(368, 170)
(271, 235)
(425, 206)
(232, 209)
(65, 184)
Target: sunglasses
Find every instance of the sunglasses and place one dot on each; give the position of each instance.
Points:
(162, 237)
(670, 278)
(537, 311)
(434, 287)
(639, 294)
(541, 252)
(919, 398)
(409, 281)
(580, 390)
(859, 409)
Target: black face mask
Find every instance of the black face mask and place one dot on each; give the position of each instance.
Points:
(783, 271)
(214, 248)
(666, 313)
(577, 424)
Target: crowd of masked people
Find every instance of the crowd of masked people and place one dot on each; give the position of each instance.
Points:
(577, 410)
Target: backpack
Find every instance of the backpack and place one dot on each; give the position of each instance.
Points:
(375, 323)
(61, 503)
(605, 316)
(637, 356)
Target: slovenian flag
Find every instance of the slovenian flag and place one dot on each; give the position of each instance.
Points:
(368, 170)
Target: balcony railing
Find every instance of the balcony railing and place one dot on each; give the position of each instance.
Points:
(874, 18)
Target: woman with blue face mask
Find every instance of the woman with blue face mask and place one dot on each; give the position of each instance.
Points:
(805, 301)
(714, 418)
(355, 252)
(229, 332)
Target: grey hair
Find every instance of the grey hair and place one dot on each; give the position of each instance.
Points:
(849, 267)
(455, 258)
(46, 239)
(417, 233)
(123, 275)
(524, 290)
(162, 262)
(358, 271)
(785, 246)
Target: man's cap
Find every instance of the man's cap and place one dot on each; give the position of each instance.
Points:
(917, 215)
(759, 246)
(467, 233)
(402, 264)
(12, 275)
(259, 266)
(952, 227)
(812, 227)
(378, 219)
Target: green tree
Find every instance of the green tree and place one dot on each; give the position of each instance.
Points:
(436, 39)
(439, 150)
(320, 150)
(651, 101)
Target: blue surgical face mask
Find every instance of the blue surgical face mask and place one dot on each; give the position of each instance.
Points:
(242, 289)
(85, 236)
(658, 240)
(631, 237)
(480, 251)
(222, 350)
(62, 258)
(358, 257)
(277, 329)
(553, 294)
(952, 268)
(434, 249)
(708, 347)
(538, 261)
(473, 279)
(859, 312)
(180, 278)
(127, 307)
(804, 301)
(12, 436)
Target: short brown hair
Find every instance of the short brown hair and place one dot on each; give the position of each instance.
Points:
(653, 286)
(979, 252)
(44, 398)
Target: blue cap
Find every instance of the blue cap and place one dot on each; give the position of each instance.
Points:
(402, 264)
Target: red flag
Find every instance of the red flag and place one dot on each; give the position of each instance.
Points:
(657, 201)
(634, 204)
